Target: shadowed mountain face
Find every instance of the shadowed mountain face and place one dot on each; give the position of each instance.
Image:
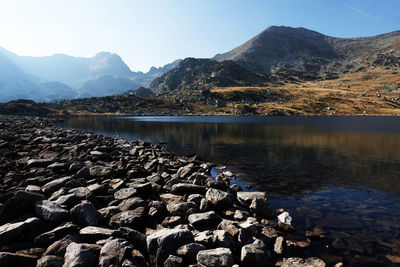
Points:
(305, 50)
(194, 74)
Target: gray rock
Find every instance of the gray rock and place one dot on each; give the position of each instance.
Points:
(189, 252)
(184, 189)
(79, 255)
(165, 242)
(219, 257)
(101, 171)
(241, 215)
(84, 214)
(245, 198)
(50, 261)
(185, 171)
(254, 255)
(95, 233)
(172, 221)
(195, 198)
(173, 261)
(218, 198)
(136, 238)
(229, 226)
(125, 193)
(50, 237)
(59, 247)
(181, 209)
(170, 198)
(38, 163)
(131, 218)
(299, 262)
(106, 213)
(14, 232)
(132, 203)
(279, 245)
(50, 211)
(202, 221)
(55, 185)
(262, 208)
(114, 252)
(33, 189)
(8, 259)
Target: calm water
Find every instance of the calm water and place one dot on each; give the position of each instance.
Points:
(342, 173)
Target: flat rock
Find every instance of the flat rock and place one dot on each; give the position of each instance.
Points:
(125, 193)
(203, 221)
(50, 211)
(14, 232)
(189, 252)
(50, 261)
(170, 198)
(114, 252)
(245, 198)
(181, 209)
(96, 233)
(183, 189)
(57, 233)
(262, 208)
(254, 255)
(84, 214)
(218, 198)
(299, 262)
(165, 242)
(8, 259)
(55, 185)
(219, 257)
(132, 203)
(131, 218)
(79, 255)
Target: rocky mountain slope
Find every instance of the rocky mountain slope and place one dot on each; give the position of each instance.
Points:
(193, 74)
(301, 49)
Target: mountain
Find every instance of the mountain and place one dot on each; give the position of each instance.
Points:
(300, 49)
(194, 74)
(60, 76)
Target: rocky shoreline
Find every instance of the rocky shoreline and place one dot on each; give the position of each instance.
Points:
(69, 198)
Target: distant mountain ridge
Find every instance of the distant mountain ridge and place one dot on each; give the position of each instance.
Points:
(301, 49)
(61, 76)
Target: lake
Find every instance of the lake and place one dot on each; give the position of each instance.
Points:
(338, 173)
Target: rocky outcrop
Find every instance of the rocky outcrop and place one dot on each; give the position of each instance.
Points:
(128, 204)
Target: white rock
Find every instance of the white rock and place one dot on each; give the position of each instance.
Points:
(285, 218)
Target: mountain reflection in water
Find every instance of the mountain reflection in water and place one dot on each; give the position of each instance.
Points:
(338, 172)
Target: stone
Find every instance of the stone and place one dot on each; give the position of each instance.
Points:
(49, 237)
(76, 166)
(203, 221)
(131, 218)
(262, 208)
(136, 238)
(38, 163)
(279, 246)
(181, 209)
(132, 203)
(143, 189)
(125, 193)
(189, 252)
(241, 215)
(114, 252)
(33, 189)
(185, 171)
(22, 201)
(55, 185)
(229, 226)
(14, 232)
(84, 214)
(50, 261)
(95, 233)
(184, 189)
(165, 242)
(172, 221)
(50, 211)
(254, 255)
(101, 171)
(105, 214)
(299, 262)
(219, 257)
(79, 255)
(8, 259)
(59, 247)
(285, 218)
(195, 198)
(393, 259)
(220, 200)
(173, 261)
(245, 198)
(170, 198)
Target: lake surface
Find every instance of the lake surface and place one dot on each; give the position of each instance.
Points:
(341, 173)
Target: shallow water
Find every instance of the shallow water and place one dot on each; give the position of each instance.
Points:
(342, 173)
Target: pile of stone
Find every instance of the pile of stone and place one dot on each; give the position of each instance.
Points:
(69, 198)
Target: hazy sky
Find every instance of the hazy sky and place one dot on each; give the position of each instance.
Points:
(155, 32)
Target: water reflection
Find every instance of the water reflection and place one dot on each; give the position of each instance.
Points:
(320, 169)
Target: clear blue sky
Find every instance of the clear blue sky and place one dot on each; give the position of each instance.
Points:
(155, 32)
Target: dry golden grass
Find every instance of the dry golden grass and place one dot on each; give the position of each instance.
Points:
(365, 93)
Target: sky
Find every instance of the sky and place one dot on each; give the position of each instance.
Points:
(149, 33)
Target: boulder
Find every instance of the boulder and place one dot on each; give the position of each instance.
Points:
(245, 198)
(55, 185)
(131, 218)
(299, 262)
(189, 252)
(59, 247)
(262, 208)
(15, 232)
(203, 221)
(114, 252)
(50, 237)
(136, 238)
(173, 261)
(84, 214)
(184, 189)
(219, 257)
(101, 171)
(8, 259)
(181, 209)
(132, 203)
(220, 199)
(165, 242)
(93, 233)
(50, 261)
(125, 193)
(254, 254)
(79, 255)
(50, 211)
